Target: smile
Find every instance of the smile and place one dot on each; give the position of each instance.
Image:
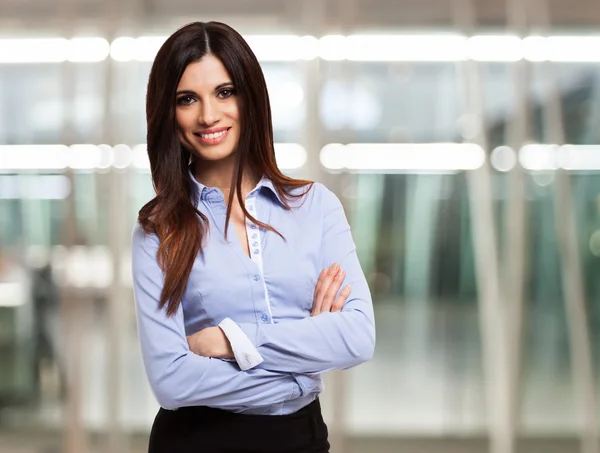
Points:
(213, 138)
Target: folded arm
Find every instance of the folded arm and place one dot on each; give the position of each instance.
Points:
(179, 377)
(328, 341)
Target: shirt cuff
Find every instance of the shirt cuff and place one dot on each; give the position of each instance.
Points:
(246, 355)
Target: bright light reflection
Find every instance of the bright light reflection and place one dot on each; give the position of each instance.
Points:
(398, 157)
(33, 157)
(495, 48)
(37, 50)
(539, 157)
(406, 48)
(290, 156)
(88, 49)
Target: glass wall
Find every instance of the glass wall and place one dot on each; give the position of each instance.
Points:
(414, 229)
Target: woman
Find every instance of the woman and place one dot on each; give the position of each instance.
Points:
(237, 329)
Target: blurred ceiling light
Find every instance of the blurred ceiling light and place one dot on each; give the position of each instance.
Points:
(122, 156)
(539, 157)
(143, 48)
(283, 47)
(405, 48)
(573, 48)
(84, 157)
(290, 156)
(579, 157)
(140, 157)
(495, 48)
(332, 47)
(535, 48)
(105, 157)
(552, 157)
(562, 48)
(88, 49)
(440, 47)
(40, 50)
(146, 47)
(410, 156)
(33, 157)
(503, 158)
(123, 49)
(309, 48)
(332, 156)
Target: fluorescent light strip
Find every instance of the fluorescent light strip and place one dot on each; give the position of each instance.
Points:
(33, 157)
(495, 48)
(53, 50)
(434, 157)
(544, 157)
(290, 156)
(402, 48)
(265, 47)
(436, 47)
(283, 47)
(503, 158)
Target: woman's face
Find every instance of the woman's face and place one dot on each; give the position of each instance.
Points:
(207, 110)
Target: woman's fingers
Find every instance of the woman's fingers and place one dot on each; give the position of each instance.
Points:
(341, 300)
(318, 295)
(328, 285)
(332, 290)
(325, 280)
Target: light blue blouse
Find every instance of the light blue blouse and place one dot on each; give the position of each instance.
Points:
(262, 302)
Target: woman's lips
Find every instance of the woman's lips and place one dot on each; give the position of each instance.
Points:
(212, 139)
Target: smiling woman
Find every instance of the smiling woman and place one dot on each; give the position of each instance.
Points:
(236, 333)
(207, 111)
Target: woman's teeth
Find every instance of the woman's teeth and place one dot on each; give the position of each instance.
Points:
(215, 135)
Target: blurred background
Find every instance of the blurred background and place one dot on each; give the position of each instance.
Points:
(463, 139)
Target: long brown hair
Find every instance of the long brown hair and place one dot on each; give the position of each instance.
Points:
(172, 214)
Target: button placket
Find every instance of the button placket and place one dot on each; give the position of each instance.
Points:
(256, 254)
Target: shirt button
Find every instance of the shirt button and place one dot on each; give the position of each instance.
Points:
(250, 208)
(256, 252)
(253, 226)
(254, 236)
(256, 278)
(264, 317)
(254, 244)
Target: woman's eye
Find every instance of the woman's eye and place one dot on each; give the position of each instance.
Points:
(226, 93)
(185, 100)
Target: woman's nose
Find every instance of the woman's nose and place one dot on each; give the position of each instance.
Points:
(209, 113)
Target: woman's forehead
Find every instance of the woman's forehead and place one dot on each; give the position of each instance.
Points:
(204, 74)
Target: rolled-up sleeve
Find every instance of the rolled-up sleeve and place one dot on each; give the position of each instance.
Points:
(179, 377)
(328, 341)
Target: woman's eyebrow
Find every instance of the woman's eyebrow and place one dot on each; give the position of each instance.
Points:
(192, 92)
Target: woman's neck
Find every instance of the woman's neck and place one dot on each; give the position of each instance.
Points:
(216, 174)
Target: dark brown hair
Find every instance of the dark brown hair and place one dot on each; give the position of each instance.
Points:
(172, 214)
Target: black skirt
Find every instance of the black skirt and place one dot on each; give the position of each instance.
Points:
(201, 429)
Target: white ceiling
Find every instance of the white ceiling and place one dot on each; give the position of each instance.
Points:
(269, 16)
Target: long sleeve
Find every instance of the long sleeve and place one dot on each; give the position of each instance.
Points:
(179, 377)
(328, 341)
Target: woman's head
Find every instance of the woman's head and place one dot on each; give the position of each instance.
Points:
(206, 80)
(207, 99)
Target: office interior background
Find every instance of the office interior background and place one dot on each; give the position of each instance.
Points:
(462, 137)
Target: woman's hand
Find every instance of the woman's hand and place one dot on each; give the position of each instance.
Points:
(330, 281)
(210, 342)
